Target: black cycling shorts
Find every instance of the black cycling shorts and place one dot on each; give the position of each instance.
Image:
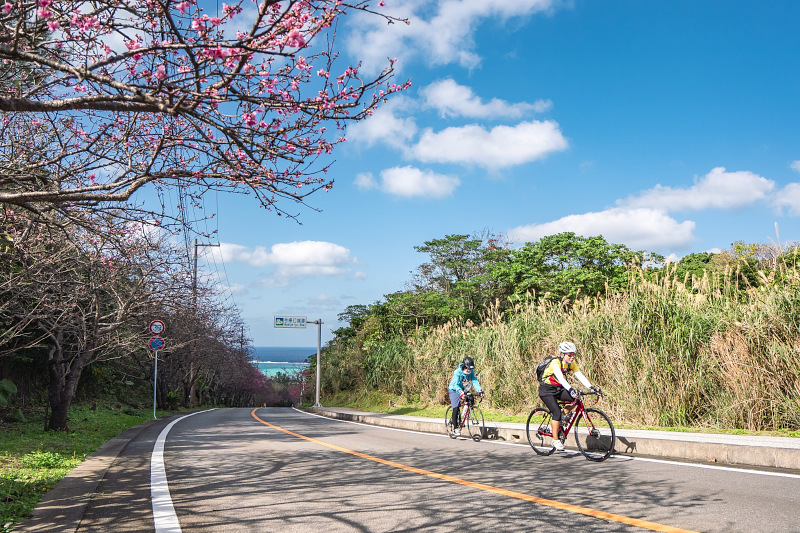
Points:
(550, 394)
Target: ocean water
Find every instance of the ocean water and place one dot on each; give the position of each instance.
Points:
(273, 359)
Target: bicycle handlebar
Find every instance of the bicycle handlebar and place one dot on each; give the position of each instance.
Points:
(581, 394)
(474, 396)
(597, 393)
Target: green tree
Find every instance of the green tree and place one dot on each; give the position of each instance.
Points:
(456, 276)
(565, 266)
(693, 268)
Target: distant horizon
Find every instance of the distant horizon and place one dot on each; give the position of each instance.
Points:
(292, 347)
(284, 353)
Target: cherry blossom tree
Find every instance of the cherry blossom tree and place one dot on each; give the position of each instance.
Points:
(82, 295)
(100, 98)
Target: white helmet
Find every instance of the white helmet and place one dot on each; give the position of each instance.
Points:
(567, 347)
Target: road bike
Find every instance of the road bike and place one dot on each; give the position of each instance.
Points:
(471, 417)
(594, 432)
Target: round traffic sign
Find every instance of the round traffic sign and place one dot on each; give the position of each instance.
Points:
(157, 327)
(156, 343)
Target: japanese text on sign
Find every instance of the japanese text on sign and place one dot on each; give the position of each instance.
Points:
(290, 321)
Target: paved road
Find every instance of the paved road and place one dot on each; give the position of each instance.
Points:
(243, 470)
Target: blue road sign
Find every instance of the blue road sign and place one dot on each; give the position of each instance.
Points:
(156, 343)
(290, 321)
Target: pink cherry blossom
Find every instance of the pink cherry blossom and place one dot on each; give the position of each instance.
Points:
(7, 7)
(249, 119)
(295, 39)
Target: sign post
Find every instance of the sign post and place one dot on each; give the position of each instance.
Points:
(290, 322)
(319, 341)
(300, 322)
(156, 343)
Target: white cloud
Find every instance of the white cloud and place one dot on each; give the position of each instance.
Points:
(410, 181)
(294, 259)
(795, 165)
(789, 197)
(638, 229)
(384, 126)
(441, 33)
(500, 147)
(365, 181)
(453, 99)
(236, 288)
(717, 189)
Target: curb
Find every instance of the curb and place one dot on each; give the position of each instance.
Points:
(771, 452)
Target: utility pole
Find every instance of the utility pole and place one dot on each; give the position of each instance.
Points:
(192, 386)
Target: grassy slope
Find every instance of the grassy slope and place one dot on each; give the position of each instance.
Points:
(33, 461)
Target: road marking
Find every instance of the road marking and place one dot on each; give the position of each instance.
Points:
(166, 520)
(712, 467)
(653, 526)
(625, 458)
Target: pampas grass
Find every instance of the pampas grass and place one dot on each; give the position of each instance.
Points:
(703, 352)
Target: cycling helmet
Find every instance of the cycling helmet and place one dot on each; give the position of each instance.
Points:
(567, 347)
(468, 364)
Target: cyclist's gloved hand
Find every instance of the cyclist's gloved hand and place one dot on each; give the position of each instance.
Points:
(598, 390)
(482, 394)
(573, 393)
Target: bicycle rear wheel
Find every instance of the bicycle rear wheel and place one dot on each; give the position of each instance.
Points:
(448, 422)
(475, 423)
(594, 435)
(537, 428)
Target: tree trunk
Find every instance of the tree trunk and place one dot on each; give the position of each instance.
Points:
(65, 372)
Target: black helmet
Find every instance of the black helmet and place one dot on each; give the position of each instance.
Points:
(468, 364)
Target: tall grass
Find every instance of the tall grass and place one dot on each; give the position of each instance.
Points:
(668, 352)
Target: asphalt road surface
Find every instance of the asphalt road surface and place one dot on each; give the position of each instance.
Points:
(283, 470)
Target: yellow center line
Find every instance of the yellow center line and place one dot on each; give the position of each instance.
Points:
(653, 526)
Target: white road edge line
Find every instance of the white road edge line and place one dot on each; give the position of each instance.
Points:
(166, 520)
(617, 457)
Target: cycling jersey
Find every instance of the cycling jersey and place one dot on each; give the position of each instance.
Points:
(548, 376)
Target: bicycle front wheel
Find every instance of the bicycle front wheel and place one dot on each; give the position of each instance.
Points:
(475, 423)
(448, 423)
(540, 435)
(594, 435)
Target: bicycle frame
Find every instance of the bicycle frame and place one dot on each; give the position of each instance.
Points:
(593, 429)
(580, 408)
(470, 417)
(465, 405)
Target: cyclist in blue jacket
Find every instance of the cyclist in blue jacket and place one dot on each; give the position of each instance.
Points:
(464, 380)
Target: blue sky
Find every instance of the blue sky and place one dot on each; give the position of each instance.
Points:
(667, 126)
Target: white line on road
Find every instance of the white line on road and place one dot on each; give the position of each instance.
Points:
(617, 457)
(163, 511)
